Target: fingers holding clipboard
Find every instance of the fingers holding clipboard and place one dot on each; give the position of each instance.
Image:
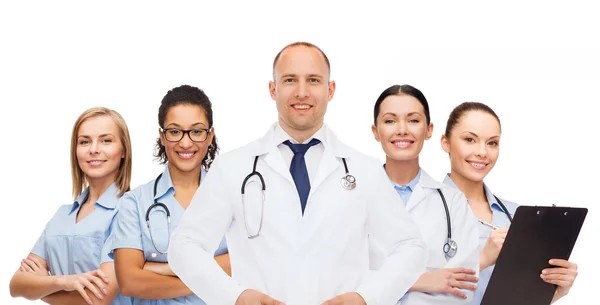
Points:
(536, 235)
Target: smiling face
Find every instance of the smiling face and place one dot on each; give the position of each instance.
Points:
(185, 155)
(99, 149)
(473, 145)
(301, 89)
(402, 127)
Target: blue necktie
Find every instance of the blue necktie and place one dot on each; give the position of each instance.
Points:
(299, 171)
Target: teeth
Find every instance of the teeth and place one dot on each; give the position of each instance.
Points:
(302, 106)
(478, 165)
(402, 144)
(95, 162)
(186, 155)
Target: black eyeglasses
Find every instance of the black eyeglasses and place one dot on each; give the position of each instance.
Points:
(196, 134)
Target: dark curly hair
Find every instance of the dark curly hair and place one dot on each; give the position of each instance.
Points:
(189, 95)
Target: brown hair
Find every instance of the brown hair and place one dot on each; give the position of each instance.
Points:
(123, 178)
(459, 111)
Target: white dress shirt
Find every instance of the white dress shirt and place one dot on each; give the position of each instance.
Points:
(313, 155)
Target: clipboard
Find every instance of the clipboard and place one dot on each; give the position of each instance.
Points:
(536, 235)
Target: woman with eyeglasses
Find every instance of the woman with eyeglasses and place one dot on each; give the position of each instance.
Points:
(150, 213)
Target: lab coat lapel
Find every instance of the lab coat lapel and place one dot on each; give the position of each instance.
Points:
(275, 160)
(416, 197)
(323, 206)
(328, 164)
(273, 157)
(331, 160)
(419, 193)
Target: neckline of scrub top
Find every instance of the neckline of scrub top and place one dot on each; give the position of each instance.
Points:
(281, 136)
(108, 199)
(488, 194)
(165, 184)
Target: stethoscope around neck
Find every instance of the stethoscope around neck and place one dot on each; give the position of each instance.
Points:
(164, 206)
(155, 205)
(450, 246)
(348, 182)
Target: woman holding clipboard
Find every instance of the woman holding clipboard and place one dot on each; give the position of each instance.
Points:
(472, 140)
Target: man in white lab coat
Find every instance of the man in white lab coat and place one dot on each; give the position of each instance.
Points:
(299, 233)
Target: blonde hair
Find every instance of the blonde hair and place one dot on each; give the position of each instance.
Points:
(123, 178)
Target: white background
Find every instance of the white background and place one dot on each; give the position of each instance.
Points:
(536, 65)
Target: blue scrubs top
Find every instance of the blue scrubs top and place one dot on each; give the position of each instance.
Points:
(500, 220)
(74, 248)
(131, 230)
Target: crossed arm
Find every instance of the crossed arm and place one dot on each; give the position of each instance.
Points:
(151, 280)
(34, 282)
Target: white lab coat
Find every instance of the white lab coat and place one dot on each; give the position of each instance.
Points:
(427, 209)
(299, 260)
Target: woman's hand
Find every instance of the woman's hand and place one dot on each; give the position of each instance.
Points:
(95, 281)
(449, 280)
(489, 253)
(563, 275)
(31, 264)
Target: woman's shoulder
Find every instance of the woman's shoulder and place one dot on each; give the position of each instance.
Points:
(427, 181)
(64, 209)
(141, 189)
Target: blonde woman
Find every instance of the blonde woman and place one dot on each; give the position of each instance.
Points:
(69, 263)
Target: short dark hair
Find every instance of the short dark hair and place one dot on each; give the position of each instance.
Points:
(459, 111)
(402, 90)
(303, 44)
(189, 95)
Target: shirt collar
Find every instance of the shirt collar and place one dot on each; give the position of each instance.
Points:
(108, 199)
(411, 185)
(282, 136)
(492, 199)
(488, 194)
(448, 181)
(165, 184)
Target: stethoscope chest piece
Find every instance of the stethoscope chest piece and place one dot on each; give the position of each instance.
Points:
(450, 248)
(348, 182)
